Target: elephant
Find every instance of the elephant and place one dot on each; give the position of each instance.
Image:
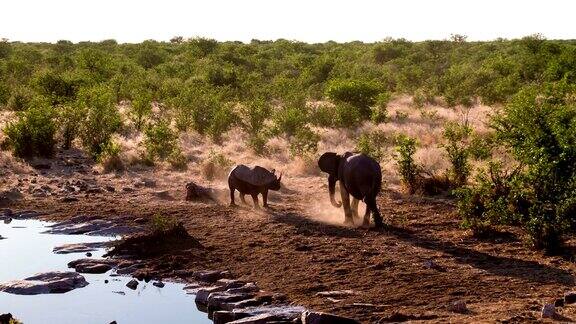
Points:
(252, 181)
(360, 176)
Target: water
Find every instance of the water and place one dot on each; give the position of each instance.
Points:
(26, 251)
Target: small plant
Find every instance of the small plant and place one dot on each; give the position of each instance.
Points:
(141, 108)
(162, 223)
(304, 142)
(101, 119)
(409, 170)
(290, 119)
(110, 157)
(347, 116)
(160, 141)
(177, 160)
(401, 116)
(360, 94)
(458, 152)
(19, 99)
(33, 134)
(371, 144)
(216, 166)
(222, 120)
(69, 119)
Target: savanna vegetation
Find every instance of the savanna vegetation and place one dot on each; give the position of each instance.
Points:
(521, 172)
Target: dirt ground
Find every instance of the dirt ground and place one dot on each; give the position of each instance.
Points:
(413, 270)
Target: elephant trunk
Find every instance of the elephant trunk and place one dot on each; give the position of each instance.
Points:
(332, 190)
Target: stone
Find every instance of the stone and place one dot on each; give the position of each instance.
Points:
(257, 319)
(163, 194)
(230, 283)
(159, 284)
(203, 294)
(149, 183)
(132, 284)
(6, 318)
(570, 297)
(458, 307)
(548, 311)
(68, 199)
(91, 265)
(309, 317)
(559, 302)
(128, 189)
(222, 300)
(430, 264)
(336, 293)
(210, 275)
(78, 247)
(249, 287)
(10, 196)
(88, 254)
(110, 189)
(45, 283)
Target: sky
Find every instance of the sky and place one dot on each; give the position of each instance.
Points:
(303, 20)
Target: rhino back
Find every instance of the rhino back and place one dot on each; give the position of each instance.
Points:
(257, 176)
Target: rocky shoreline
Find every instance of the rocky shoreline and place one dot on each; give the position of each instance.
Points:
(223, 298)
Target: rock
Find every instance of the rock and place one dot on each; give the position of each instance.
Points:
(7, 220)
(78, 247)
(106, 281)
(10, 196)
(88, 254)
(548, 311)
(119, 293)
(94, 190)
(559, 302)
(203, 294)
(132, 284)
(257, 319)
(222, 300)
(7, 213)
(2, 237)
(91, 265)
(249, 287)
(110, 189)
(336, 293)
(570, 297)
(78, 228)
(163, 194)
(210, 275)
(68, 199)
(128, 189)
(159, 284)
(149, 183)
(433, 265)
(325, 318)
(281, 313)
(6, 318)
(458, 307)
(230, 283)
(140, 220)
(45, 283)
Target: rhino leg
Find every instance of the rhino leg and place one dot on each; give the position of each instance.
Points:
(355, 207)
(265, 198)
(255, 199)
(243, 199)
(232, 203)
(366, 222)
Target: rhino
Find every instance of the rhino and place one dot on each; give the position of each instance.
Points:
(252, 181)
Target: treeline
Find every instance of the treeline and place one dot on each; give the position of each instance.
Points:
(67, 92)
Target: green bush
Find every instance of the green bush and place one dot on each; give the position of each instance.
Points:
(304, 142)
(216, 165)
(160, 141)
(33, 134)
(347, 116)
(289, 120)
(360, 94)
(141, 108)
(70, 119)
(223, 119)
(458, 152)
(110, 157)
(409, 170)
(323, 116)
(100, 117)
(371, 144)
(19, 99)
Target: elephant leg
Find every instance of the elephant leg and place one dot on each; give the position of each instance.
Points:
(366, 222)
(346, 203)
(255, 199)
(232, 203)
(355, 207)
(243, 199)
(265, 198)
(375, 213)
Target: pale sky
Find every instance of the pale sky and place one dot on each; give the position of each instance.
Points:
(303, 20)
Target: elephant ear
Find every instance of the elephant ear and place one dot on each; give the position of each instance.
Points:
(328, 163)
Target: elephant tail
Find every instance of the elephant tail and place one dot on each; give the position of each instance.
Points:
(374, 190)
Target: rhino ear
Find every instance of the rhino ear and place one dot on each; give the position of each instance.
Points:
(328, 163)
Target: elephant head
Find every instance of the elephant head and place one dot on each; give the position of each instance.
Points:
(329, 162)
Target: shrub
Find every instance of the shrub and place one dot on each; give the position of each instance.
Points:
(304, 142)
(458, 152)
(110, 157)
(33, 134)
(323, 116)
(401, 116)
(140, 108)
(56, 87)
(371, 144)
(101, 119)
(360, 94)
(161, 223)
(222, 120)
(216, 166)
(289, 120)
(19, 99)
(160, 141)
(69, 120)
(347, 116)
(409, 171)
